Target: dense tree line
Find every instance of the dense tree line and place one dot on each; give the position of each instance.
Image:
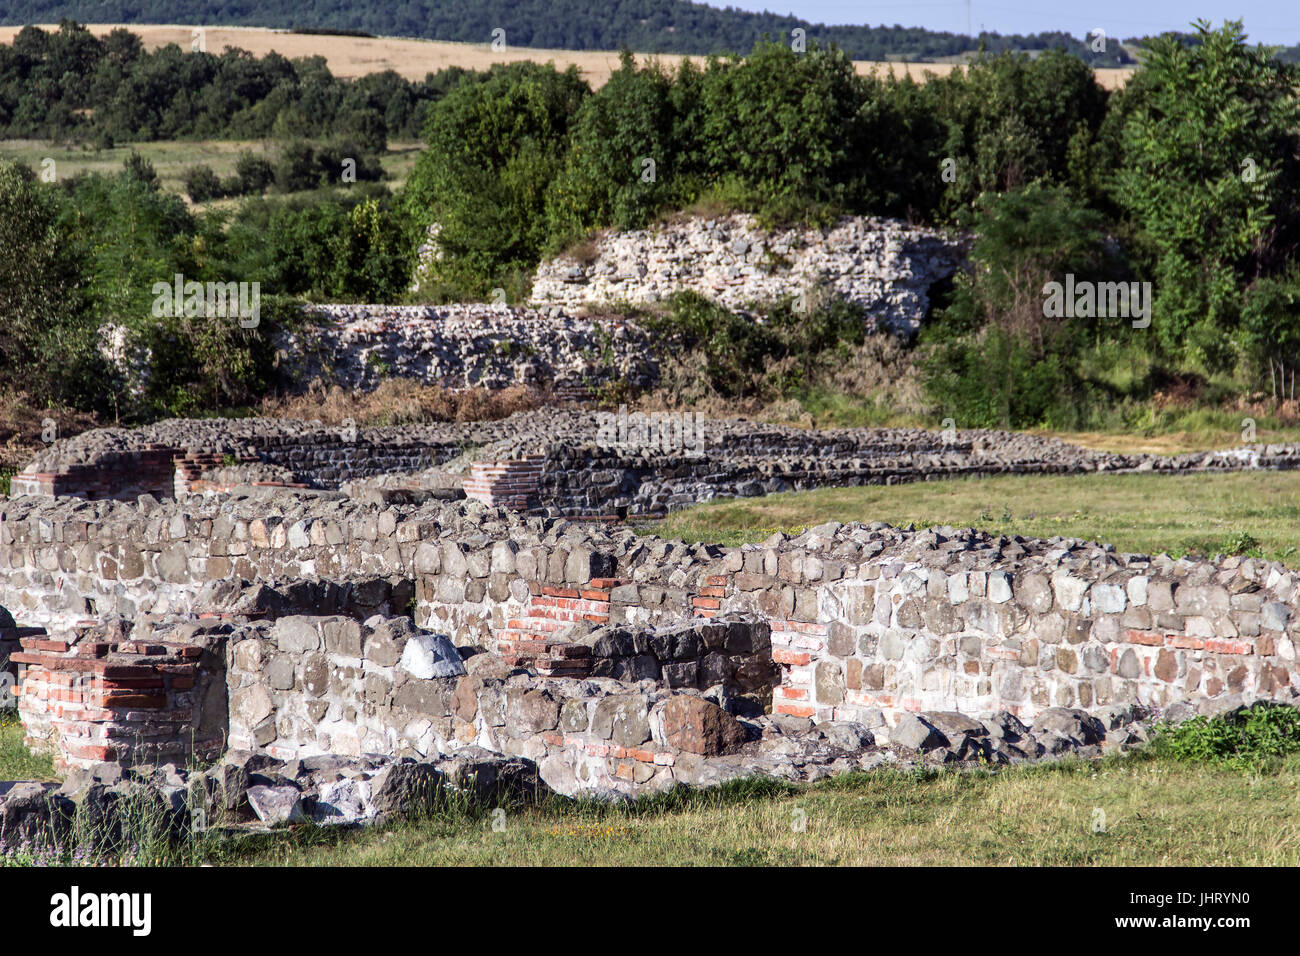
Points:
(1189, 178)
(70, 84)
(646, 26)
(86, 252)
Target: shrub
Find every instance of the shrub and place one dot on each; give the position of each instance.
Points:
(253, 173)
(202, 184)
(1248, 738)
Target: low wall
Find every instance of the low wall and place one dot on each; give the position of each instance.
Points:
(305, 686)
(86, 700)
(570, 462)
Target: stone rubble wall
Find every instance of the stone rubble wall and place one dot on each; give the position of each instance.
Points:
(884, 265)
(953, 621)
(571, 462)
(304, 687)
(466, 346)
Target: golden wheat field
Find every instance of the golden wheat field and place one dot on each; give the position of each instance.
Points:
(413, 58)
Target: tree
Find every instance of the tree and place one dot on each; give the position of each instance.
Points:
(494, 147)
(624, 159)
(47, 341)
(784, 124)
(1209, 176)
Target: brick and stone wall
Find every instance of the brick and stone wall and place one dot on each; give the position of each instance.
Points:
(87, 697)
(305, 686)
(861, 618)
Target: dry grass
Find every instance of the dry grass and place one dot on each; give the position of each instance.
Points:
(399, 401)
(24, 428)
(414, 58)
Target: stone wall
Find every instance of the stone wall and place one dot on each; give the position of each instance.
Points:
(949, 620)
(886, 619)
(845, 626)
(465, 346)
(307, 686)
(570, 462)
(884, 265)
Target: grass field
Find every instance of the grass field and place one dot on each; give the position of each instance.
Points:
(1256, 513)
(171, 158)
(414, 58)
(1131, 810)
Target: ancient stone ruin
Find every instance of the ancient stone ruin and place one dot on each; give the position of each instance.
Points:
(324, 606)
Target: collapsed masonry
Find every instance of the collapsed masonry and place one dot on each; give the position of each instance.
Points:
(614, 663)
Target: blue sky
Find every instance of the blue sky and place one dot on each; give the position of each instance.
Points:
(1267, 21)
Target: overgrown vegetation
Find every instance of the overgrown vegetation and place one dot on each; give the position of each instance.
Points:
(1250, 738)
(1055, 177)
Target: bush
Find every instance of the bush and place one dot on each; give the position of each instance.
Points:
(202, 184)
(296, 169)
(254, 174)
(494, 148)
(991, 358)
(1248, 738)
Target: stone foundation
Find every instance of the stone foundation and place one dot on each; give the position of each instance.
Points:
(842, 625)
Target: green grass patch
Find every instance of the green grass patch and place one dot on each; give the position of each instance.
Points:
(16, 761)
(1153, 811)
(1251, 513)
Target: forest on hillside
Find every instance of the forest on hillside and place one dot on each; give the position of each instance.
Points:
(644, 26)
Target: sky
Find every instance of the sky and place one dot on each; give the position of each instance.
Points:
(1267, 21)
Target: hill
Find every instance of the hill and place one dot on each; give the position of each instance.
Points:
(647, 26)
(351, 57)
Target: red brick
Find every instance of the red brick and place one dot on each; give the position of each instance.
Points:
(1149, 638)
(794, 710)
(782, 656)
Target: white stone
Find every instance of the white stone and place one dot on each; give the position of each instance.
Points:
(1069, 590)
(999, 587)
(1109, 598)
(1137, 591)
(427, 656)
